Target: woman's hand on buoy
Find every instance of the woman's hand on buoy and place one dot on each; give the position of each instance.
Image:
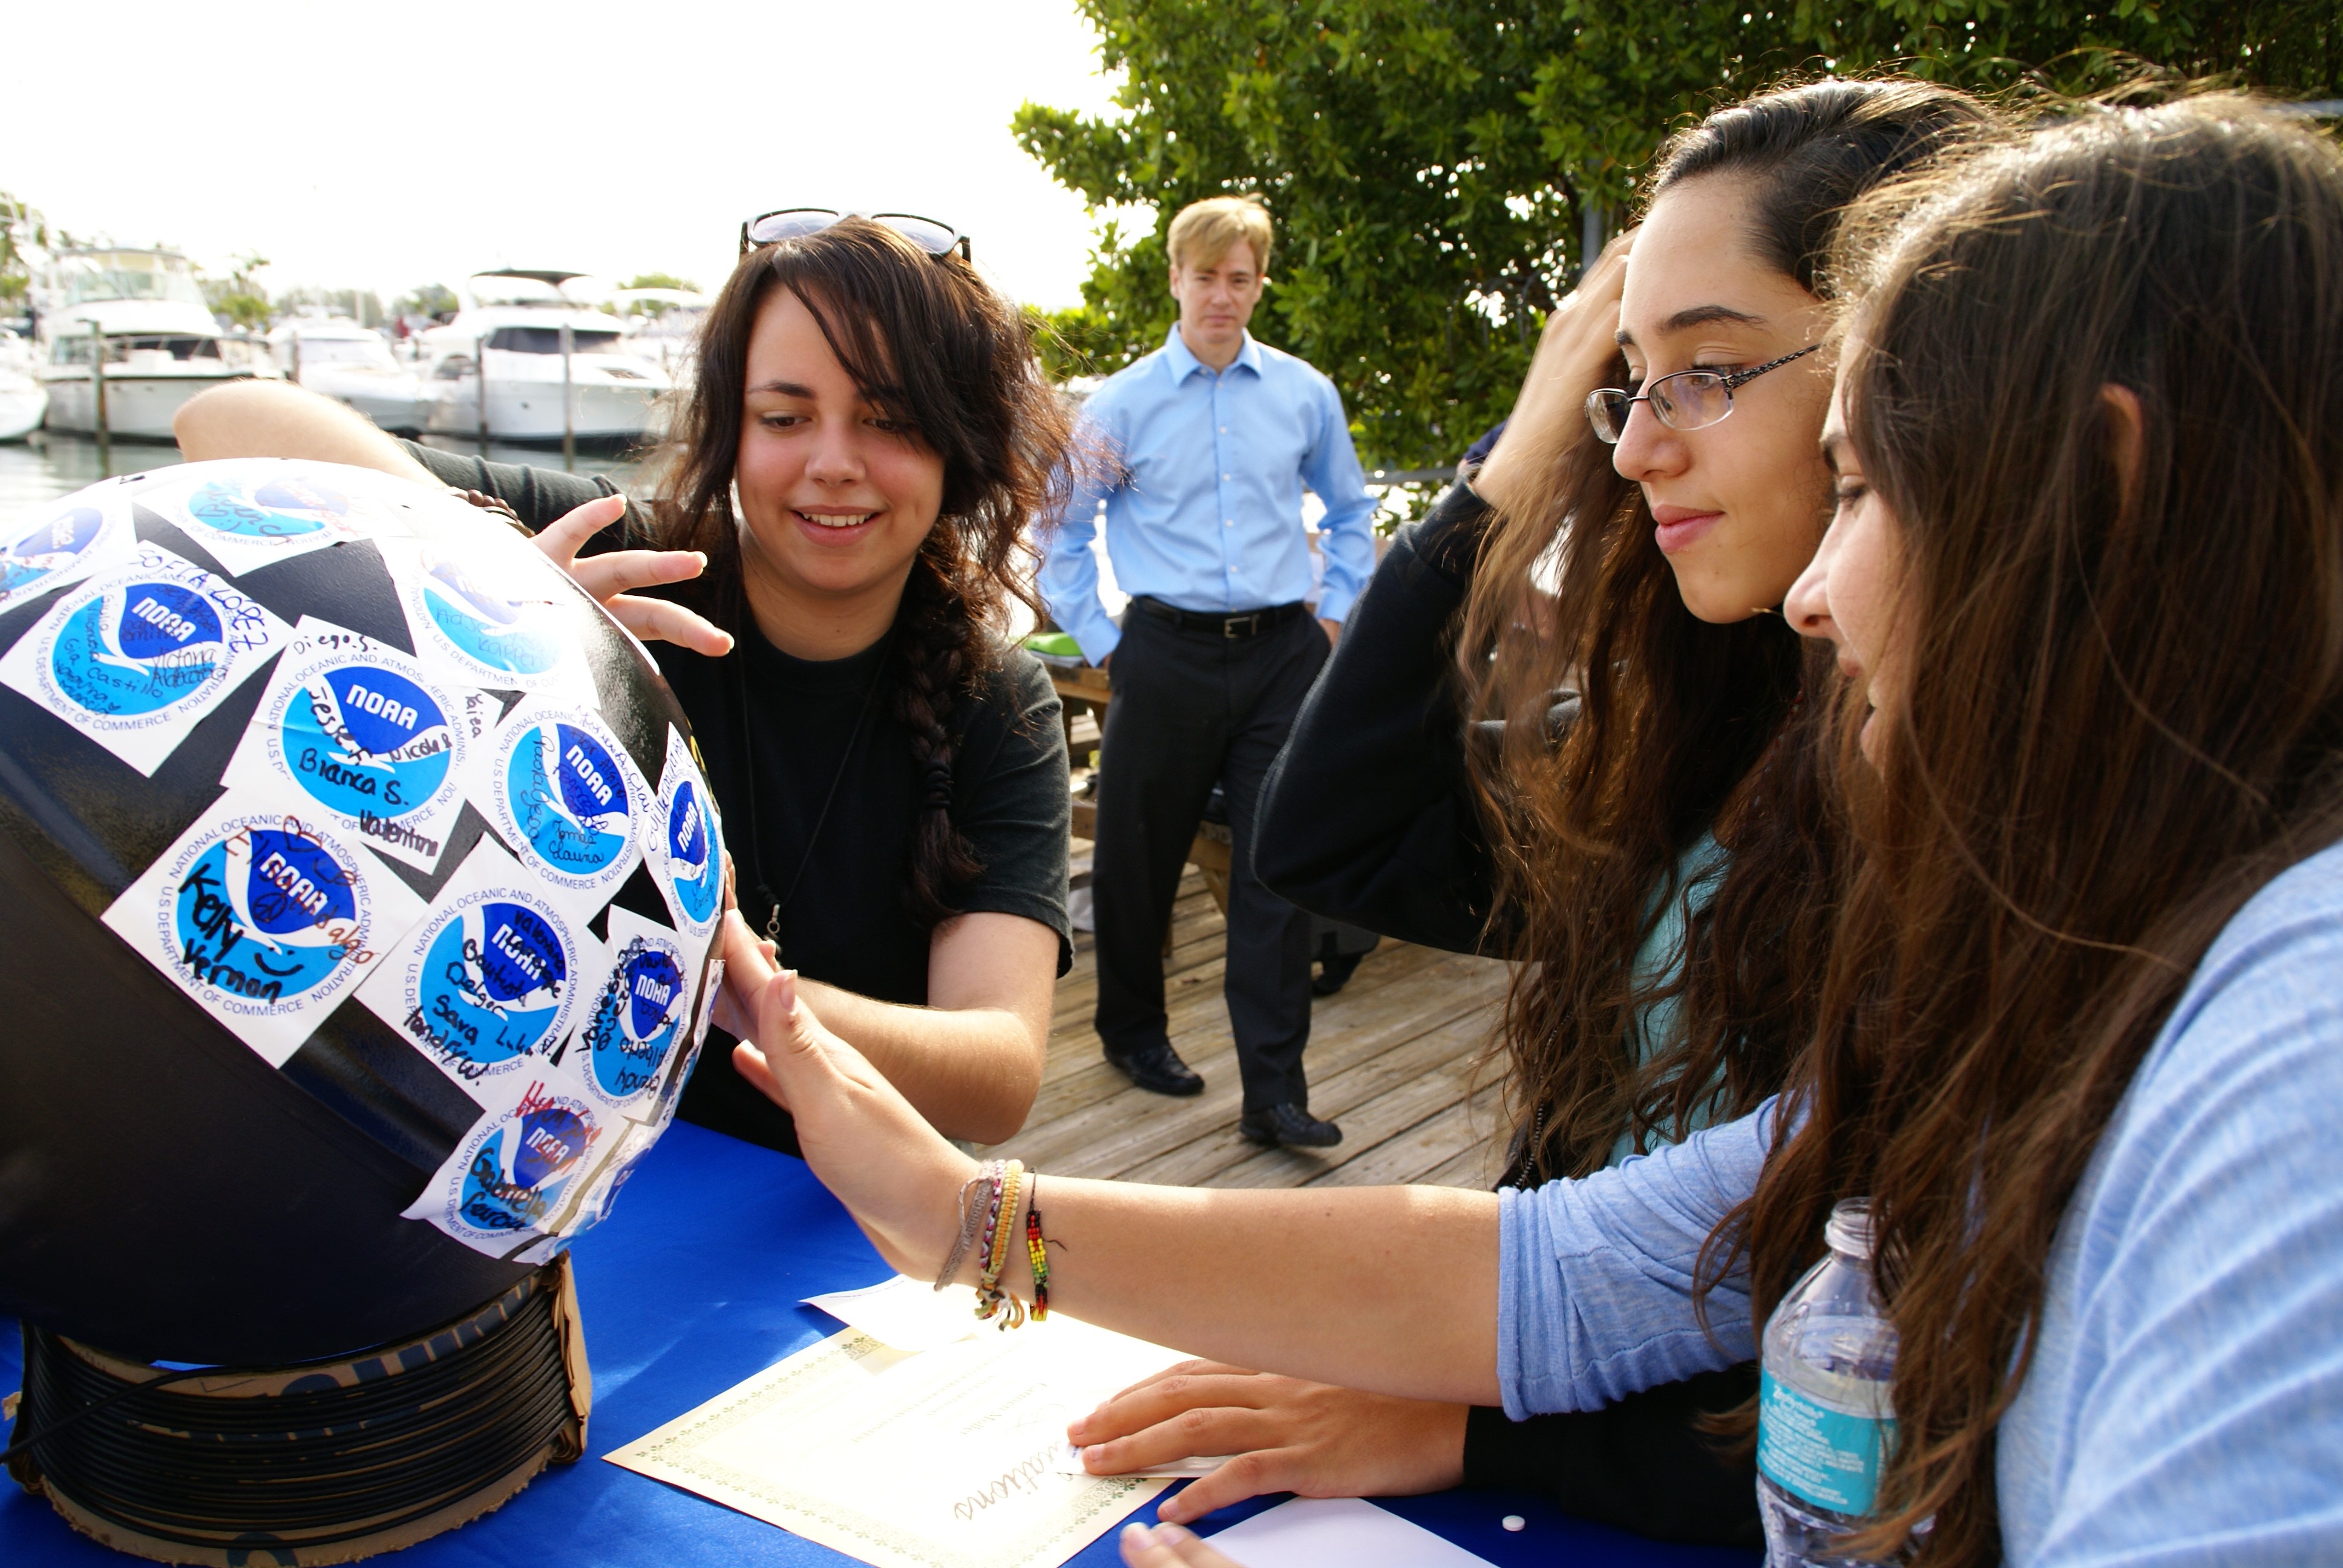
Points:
(895, 1173)
(611, 578)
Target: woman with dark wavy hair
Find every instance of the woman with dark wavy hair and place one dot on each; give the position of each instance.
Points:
(2079, 1041)
(867, 441)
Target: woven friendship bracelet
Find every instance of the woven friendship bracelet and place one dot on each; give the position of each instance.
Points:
(1036, 1253)
(990, 1299)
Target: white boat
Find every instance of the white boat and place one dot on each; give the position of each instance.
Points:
(162, 345)
(513, 321)
(662, 325)
(338, 358)
(23, 399)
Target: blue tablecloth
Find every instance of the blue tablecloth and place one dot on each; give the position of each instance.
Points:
(693, 1285)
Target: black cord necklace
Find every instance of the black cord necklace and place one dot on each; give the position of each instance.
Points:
(763, 891)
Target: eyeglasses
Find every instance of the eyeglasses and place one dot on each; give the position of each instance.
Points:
(1688, 400)
(935, 238)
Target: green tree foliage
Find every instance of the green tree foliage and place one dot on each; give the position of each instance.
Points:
(1430, 162)
(239, 296)
(660, 280)
(22, 231)
(431, 299)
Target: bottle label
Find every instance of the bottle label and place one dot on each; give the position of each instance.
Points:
(1823, 1456)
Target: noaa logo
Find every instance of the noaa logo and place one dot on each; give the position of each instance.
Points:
(281, 509)
(490, 627)
(569, 800)
(693, 868)
(493, 987)
(637, 1020)
(368, 741)
(55, 545)
(267, 916)
(519, 1171)
(138, 648)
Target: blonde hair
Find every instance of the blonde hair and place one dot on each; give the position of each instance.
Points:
(1206, 231)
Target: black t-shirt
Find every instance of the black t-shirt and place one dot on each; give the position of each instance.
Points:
(846, 923)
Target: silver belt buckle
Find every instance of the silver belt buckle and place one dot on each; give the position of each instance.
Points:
(1251, 625)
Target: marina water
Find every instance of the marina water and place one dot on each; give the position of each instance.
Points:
(1824, 1422)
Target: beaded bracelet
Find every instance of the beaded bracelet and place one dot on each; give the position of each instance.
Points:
(971, 1219)
(990, 1299)
(1036, 1253)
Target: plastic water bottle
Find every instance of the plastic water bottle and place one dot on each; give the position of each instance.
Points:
(1823, 1420)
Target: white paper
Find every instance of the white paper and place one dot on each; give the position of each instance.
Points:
(564, 794)
(1338, 1532)
(514, 1179)
(137, 656)
(1069, 1460)
(904, 1314)
(367, 740)
(486, 984)
(487, 599)
(938, 1459)
(634, 1013)
(64, 541)
(266, 920)
(684, 844)
(248, 513)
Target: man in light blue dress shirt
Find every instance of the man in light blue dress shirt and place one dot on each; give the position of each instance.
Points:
(1206, 447)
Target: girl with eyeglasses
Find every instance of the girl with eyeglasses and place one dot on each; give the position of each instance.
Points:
(866, 442)
(2078, 1041)
(1641, 820)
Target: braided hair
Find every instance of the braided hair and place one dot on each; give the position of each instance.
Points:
(931, 344)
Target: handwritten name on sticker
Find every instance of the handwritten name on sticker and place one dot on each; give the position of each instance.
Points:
(563, 792)
(501, 612)
(639, 1011)
(265, 919)
(486, 983)
(63, 545)
(134, 657)
(366, 736)
(685, 845)
(506, 1184)
(248, 513)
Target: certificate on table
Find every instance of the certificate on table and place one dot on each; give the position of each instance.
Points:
(940, 1458)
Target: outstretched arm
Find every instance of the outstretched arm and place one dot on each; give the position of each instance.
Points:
(1390, 1289)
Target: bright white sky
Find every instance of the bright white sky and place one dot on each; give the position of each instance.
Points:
(385, 146)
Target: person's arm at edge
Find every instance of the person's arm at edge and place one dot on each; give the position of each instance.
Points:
(1346, 534)
(1069, 575)
(271, 420)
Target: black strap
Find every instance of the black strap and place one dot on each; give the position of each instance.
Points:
(1237, 624)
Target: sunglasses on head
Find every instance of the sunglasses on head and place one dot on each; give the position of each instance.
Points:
(795, 221)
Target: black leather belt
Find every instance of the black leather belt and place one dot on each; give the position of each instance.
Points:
(1246, 623)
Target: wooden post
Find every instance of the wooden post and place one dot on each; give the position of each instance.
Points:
(295, 333)
(480, 365)
(569, 418)
(98, 400)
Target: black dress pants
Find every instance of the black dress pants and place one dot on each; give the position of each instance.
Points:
(1192, 707)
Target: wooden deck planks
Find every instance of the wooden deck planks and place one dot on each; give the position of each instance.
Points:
(1395, 1058)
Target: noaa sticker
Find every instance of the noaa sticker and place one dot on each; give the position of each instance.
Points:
(137, 656)
(564, 793)
(247, 515)
(503, 613)
(511, 1182)
(636, 1014)
(63, 544)
(266, 919)
(684, 844)
(486, 983)
(363, 735)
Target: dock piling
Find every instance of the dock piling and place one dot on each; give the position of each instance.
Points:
(480, 368)
(568, 412)
(98, 400)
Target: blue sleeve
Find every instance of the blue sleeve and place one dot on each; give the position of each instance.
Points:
(1068, 577)
(2191, 1368)
(1346, 534)
(1594, 1294)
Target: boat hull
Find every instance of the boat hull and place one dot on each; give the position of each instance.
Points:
(399, 402)
(22, 404)
(138, 408)
(531, 411)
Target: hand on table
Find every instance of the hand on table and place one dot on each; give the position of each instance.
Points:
(895, 1173)
(1169, 1546)
(1577, 346)
(609, 578)
(1286, 1434)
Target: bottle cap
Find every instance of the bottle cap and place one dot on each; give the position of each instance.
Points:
(1849, 1231)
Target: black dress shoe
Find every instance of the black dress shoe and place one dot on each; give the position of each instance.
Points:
(1291, 1125)
(1157, 1069)
(1335, 972)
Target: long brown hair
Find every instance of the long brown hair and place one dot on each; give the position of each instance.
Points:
(2128, 714)
(1684, 727)
(928, 341)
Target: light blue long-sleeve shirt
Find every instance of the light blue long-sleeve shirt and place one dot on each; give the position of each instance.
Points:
(2186, 1401)
(1203, 486)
